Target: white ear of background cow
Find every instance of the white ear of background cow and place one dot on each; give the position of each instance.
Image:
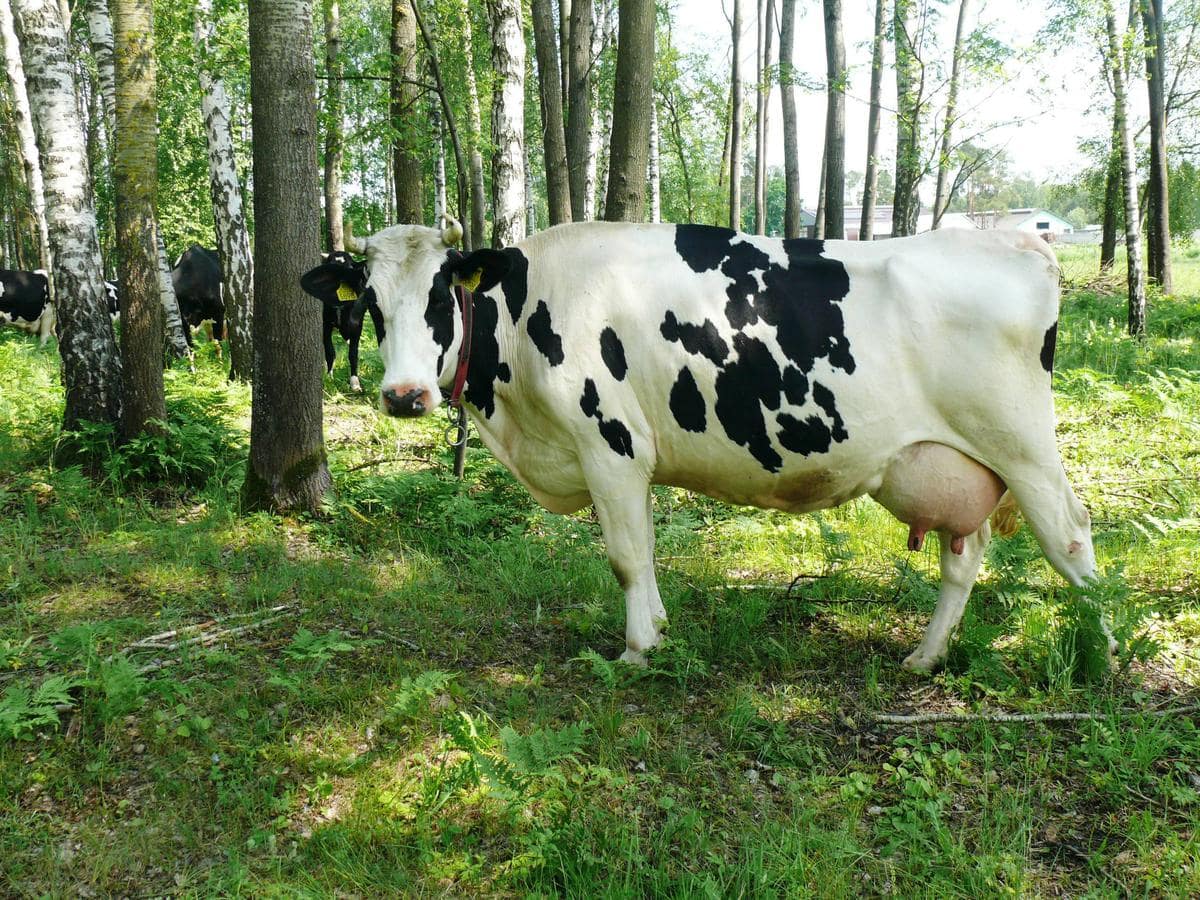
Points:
(452, 232)
(354, 244)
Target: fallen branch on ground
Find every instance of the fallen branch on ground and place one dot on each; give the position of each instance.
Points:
(968, 718)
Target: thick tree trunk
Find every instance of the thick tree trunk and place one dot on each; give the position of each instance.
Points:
(1133, 250)
(907, 203)
(735, 123)
(287, 468)
(653, 170)
(835, 122)
(579, 106)
(766, 30)
(334, 239)
(172, 321)
(866, 231)
(405, 102)
(475, 237)
(91, 365)
(634, 85)
(1112, 204)
(791, 143)
(1158, 220)
(941, 199)
(229, 216)
(554, 142)
(135, 178)
(508, 122)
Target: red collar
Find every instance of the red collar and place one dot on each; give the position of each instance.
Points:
(466, 303)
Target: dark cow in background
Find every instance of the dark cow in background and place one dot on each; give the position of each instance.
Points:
(793, 374)
(23, 302)
(197, 282)
(337, 284)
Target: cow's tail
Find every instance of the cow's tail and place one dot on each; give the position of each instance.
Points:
(1006, 517)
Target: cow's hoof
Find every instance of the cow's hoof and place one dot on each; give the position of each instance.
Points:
(356, 385)
(921, 664)
(634, 658)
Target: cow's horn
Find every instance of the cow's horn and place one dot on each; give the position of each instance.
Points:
(453, 232)
(353, 244)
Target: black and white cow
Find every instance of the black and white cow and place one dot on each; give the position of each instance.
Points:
(24, 302)
(338, 283)
(793, 374)
(196, 278)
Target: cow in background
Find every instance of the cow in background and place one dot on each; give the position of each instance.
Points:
(196, 278)
(24, 302)
(337, 283)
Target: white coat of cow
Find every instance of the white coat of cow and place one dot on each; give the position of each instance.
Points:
(788, 374)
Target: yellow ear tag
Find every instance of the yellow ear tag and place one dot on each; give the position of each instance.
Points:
(472, 283)
(345, 292)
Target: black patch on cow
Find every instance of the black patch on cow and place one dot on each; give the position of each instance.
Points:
(484, 367)
(439, 315)
(801, 302)
(687, 404)
(612, 430)
(540, 329)
(1048, 343)
(703, 340)
(743, 388)
(612, 351)
(515, 283)
(24, 294)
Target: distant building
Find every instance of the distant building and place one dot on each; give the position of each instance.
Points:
(883, 222)
(1035, 221)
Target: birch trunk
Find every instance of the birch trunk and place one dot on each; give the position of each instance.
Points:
(439, 163)
(652, 172)
(172, 321)
(941, 200)
(91, 365)
(474, 239)
(554, 143)
(334, 238)
(835, 122)
(1133, 249)
(27, 146)
(100, 30)
(766, 12)
(630, 141)
(1112, 204)
(735, 123)
(791, 142)
(287, 468)
(508, 122)
(229, 217)
(135, 179)
(1158, 220)
(579, 106)
(405, 99)
(530, 203)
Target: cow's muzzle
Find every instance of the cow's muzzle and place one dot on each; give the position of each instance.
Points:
(405, 400)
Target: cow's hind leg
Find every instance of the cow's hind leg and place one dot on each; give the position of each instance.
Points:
(626, 518)
(959, 571)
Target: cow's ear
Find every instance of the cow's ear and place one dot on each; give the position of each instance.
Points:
(480, 270)
(328, 281)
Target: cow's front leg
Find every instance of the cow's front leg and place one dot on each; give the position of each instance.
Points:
(626, 518)
(355, 384)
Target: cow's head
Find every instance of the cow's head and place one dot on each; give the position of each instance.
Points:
(412, 271)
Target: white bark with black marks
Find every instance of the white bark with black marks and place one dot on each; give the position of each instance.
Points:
(474, 238)
(172, 321)
(100, 30)
(229, 217)
(653, 169)
(508, 122)
(334, 238)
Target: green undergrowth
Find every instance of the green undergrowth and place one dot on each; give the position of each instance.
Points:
(413, 692)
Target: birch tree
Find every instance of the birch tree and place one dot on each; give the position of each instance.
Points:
(653, 178)
(735, 122)
(554, 143)
(866, 231)
(287, 468)
(791, 143)
(474, 239)
(508, 122)
(405, 97)
(835, 122)
(634, 85)
(229, 218)
(766, 30)
(135, 176)
(27, 144)
(941, 199)
(1158, 218)
(173, 322)
(91, 365)
(334, 238)
(1133, 248)
(100, 32)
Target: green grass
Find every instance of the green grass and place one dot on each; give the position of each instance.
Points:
(422, 701)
